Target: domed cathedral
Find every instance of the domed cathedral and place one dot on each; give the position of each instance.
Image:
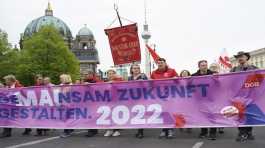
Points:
(48, 19)
(83, 46)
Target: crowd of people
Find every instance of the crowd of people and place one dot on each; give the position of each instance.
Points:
(162, 72)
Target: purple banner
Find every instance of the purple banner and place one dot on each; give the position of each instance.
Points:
(229, 100)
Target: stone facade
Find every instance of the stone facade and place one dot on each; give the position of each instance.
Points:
(257, 58)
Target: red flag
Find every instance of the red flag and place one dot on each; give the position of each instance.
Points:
(224, 60)
(153, 53)
(124, 44)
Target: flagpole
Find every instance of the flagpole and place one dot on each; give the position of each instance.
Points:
(152, 63)
(117, 12)
(119, 18)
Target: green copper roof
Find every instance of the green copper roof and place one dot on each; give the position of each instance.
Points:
(36, 24)
(84, 31)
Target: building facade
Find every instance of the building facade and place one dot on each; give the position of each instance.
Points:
(83, 45)
(257, 58)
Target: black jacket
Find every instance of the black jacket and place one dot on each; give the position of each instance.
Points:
(141, 77)
(209, 72)
(241, 68)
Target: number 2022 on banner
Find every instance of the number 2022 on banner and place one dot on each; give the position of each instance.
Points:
(121, 115)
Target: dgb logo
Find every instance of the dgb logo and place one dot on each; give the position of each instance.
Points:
(253, 80)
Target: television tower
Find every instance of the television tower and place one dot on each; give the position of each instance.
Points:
(146, 35)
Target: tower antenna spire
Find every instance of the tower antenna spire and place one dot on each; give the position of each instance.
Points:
(145, 12)
(146, 35)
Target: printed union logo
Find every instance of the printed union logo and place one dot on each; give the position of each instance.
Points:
(252, 84)
(166, 75)
(253, 81)
(229, 111)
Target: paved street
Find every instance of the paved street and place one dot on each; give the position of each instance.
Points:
(127, 140)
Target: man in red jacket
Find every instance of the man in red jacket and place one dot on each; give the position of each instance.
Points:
(164, 72)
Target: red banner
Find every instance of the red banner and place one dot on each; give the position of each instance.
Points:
(124, 44)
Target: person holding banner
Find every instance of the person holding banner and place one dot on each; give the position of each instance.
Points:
(215, 68)
(66, 80)
(136, 74)
(245, 133)
(91, 78)
(185, 73)
(47, 81)
(164, 72)
(203, 70)
(2, 85)
(40, 82)
(12, 82)
(113, 77)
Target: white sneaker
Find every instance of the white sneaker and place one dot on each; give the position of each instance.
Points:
(162, 134)
(108, 133)
(116, 134)
(170, 134)
(65, 135)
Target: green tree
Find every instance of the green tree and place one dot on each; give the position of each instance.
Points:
(46, 53)
(3, 42)
(8, 56)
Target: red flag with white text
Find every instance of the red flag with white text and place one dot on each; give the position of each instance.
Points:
(124, 44)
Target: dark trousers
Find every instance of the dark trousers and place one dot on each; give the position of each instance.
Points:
(7, 131)
(166, 130)
(68, 131)
(40, 131)
(245, 130)
(93, 130)
(27, 131)
(141, 131)
(204, 131)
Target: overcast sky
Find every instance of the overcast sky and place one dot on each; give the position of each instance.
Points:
(184, 31)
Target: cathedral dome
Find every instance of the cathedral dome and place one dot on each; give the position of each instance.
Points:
(48, 19)
(84, 31)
